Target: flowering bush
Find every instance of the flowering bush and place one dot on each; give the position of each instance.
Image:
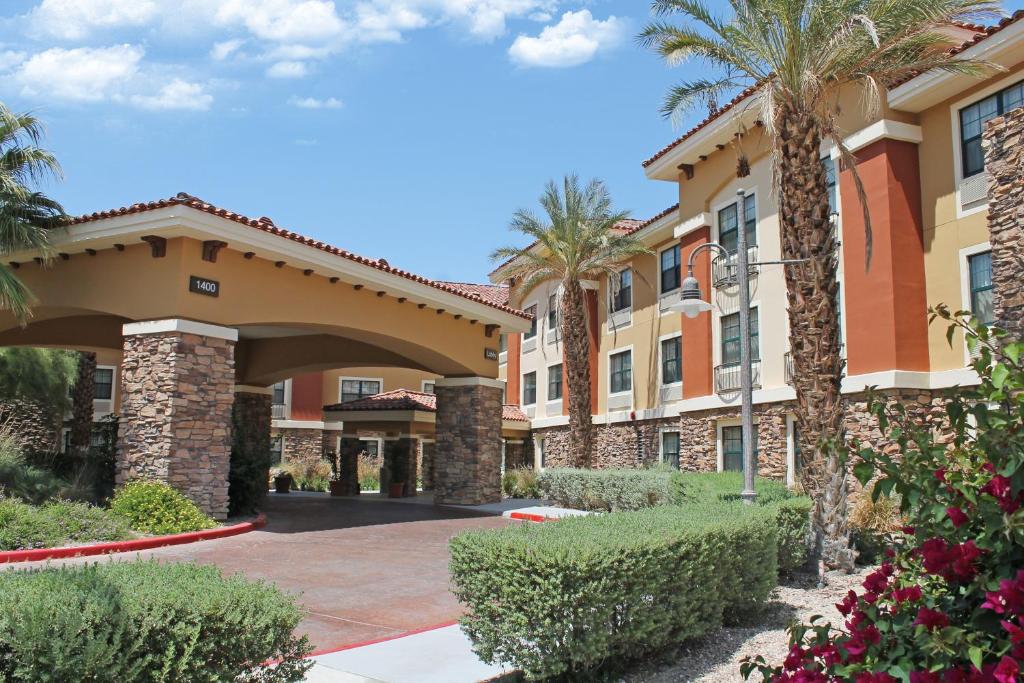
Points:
(948, 604)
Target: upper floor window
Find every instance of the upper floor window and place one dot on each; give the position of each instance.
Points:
(552, 311)
(831, 181)
(728, 224)
(622, 290)
(731, 337)
(555, 382)
(103, 384)
(670, 269)
(428, 387)
(972, 123)
(671, 367)
(621, 372)
(529, 388)
(278, 396)
(532, 312)
(980, 266)
(353, 389)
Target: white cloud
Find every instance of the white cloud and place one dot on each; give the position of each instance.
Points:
(75, 19)
(80, 75)
(574, 40)
(221, 51)
(284, 21)
(287, 70)
(314, 103)
(10, 59)
(178, 94)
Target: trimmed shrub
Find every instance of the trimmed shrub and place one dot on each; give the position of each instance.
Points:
(710, 487)
(59, 523)
(145, 621)
(153, 507)
(611, 490)
(793, 525)
(567, 597)
(520, 482)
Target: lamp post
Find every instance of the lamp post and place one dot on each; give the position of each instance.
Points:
(691, 305)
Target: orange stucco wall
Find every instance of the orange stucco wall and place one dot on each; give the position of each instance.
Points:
(307, 396)
(886, 305)
(698, 373)
(514, 344)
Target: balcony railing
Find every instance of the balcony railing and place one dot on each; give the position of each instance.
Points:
(723, 269)
(277, 411)
(727, 377)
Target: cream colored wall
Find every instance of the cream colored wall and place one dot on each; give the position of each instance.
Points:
(544, 355)
(946, 233)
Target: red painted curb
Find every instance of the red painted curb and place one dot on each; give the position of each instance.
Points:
(530, 517)
(133, 545)
(385, 639)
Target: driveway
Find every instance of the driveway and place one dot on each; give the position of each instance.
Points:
(362, 569)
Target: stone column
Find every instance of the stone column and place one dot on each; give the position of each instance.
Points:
(250, 451)
(427, 450)
(177, 384)
(467, 469)
(1004, 160)
(348, 464)
(399, 464)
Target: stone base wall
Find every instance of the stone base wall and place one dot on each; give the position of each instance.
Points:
(304, 445)
(1004, 160)
(427, 454)
(519, 455)
(400, 464)
(468, 449)
(177, 394)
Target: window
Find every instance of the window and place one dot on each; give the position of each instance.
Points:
(428, 387)
(731, 338)
(278, 395)
(670, 269)
(529, 388)
(830, 182)
(670, 448)
(797, 464)
(103, 384)
(276, 448)
(352, 389)
(972, 123)
(728, 222)
(371, 447)
(732, 448)
(671, 369)
(555, 382)
(532, 312)
(621, 372)
(552, 311)
(980, 267)
(622, 291)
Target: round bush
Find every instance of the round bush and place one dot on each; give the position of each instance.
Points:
(59, 523)
(155, 508)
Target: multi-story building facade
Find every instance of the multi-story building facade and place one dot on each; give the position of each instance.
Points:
(665, 387)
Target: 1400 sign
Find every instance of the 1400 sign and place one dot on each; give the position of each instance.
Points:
(202, 285)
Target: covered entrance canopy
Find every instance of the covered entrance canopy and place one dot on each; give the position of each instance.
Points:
(210, 308)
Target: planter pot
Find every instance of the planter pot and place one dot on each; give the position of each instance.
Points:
(396, 490)
(337, 488)
(283, 484)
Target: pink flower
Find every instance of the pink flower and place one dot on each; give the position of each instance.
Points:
(1001, 488)
(795, 658)
(924, 677)
(848, 603)
(940, 474)
(957, 516)
(1006, 671)
(876, 582)
(931, 619)
(1009, 599)
(908, 594)
(877, 677)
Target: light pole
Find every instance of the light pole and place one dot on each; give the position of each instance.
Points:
(691, 305)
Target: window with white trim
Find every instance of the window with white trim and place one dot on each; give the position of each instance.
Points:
(532, 332)
(555, 382)
(731, 337)
(972, 124)
(621, 296)
(979, 268)
(670, 269)
(670, 448)
(671, 360)
(831, 182)
(103, 384)
(620, 367)
(552, 311)
(529, 388)
(354, 389)
(728, 224)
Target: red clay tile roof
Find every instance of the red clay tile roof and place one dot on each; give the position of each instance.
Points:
(641, 225)
(496, 294)
(266, 225)
(983, 33)
(406, 399)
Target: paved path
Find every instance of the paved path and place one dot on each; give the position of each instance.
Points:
(363, 569)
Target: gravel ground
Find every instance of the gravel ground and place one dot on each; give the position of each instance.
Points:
(716, 658)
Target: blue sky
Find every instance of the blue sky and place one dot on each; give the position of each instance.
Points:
(405, 129)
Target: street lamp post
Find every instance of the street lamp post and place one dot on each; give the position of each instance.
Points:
(691, 305)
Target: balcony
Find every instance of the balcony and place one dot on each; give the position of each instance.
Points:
(723, 269)
(727, 377)
(278, 411)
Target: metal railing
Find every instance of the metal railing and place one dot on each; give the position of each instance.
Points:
(727, 377)
(723, 270)
(278, 411)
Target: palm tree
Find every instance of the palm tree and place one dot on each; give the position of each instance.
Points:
(798, 55)
(26, 215)
(577, 241)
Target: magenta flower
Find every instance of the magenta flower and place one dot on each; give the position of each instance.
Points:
(957, 516)
(1006, 671)
(931, 619)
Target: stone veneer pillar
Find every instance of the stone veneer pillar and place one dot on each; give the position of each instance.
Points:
(467, 468)
(1004, 160)
(250, 424)
(177, 395)
(348, 464)
(400, 457)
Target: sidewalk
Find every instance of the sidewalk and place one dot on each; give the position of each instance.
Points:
(440, 654)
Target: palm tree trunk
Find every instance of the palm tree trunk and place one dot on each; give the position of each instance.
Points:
(814, 334)
(576, 345)
(81, 407)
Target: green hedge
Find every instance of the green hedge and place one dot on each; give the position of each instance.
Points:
(24, 526)
(153, 507)
(611, 490)
(569, 596)
(144, 621)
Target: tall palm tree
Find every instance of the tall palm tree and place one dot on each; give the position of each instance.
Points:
(576, 241)
(798, 54)
(27, 216)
